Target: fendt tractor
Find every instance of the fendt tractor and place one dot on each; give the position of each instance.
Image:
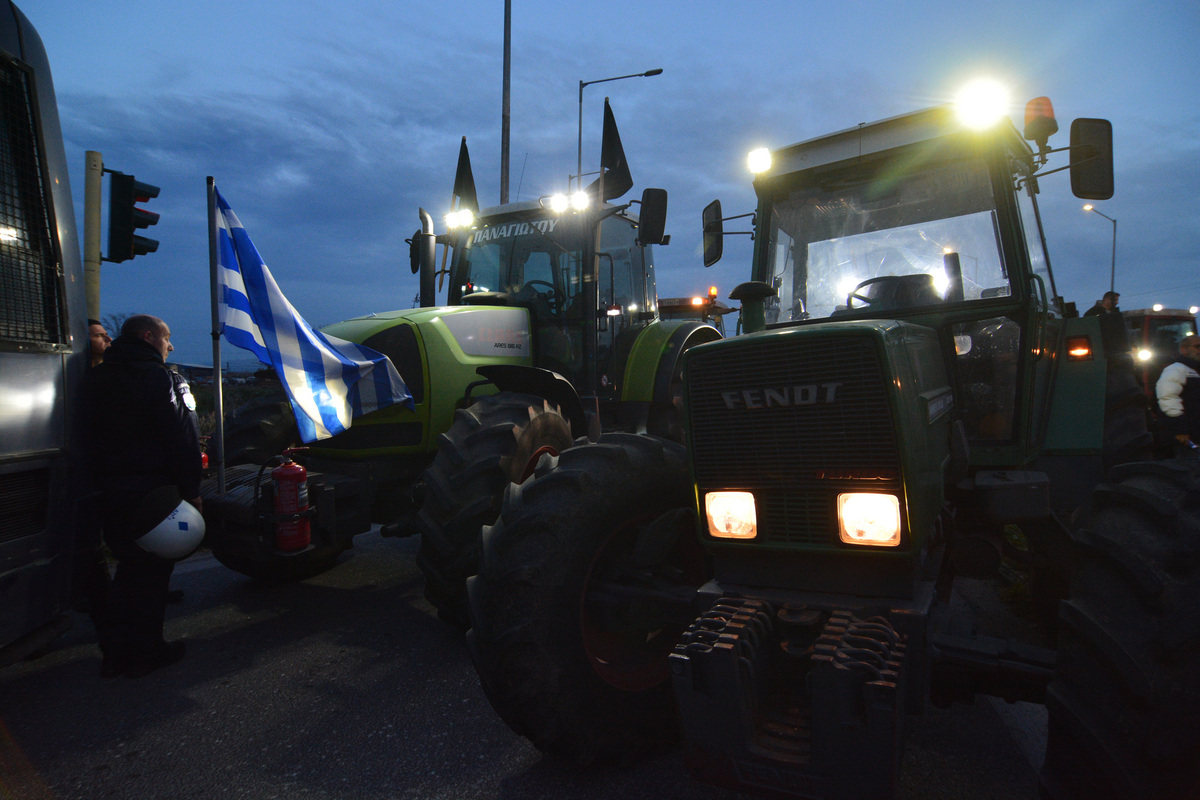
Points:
(43, 355)
(910, 423)
(550, 334)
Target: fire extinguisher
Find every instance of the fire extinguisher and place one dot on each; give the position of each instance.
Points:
(291, 505)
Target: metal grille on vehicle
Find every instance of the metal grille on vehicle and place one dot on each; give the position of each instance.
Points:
(825, 426)
(31, 306)
(24, 503)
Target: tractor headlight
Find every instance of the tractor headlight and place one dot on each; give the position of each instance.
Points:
(731, 515)
(871, 519)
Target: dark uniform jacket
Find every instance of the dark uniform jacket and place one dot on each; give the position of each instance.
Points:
(141, 429)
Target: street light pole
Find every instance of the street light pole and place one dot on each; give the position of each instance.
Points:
(504, 111)
(579, 149)
(1112, 280)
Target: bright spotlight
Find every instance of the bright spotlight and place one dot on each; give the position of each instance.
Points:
(559, 203)
(759, 160)
(981, 103)
(462, 218)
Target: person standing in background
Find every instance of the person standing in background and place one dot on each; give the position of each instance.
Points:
(1178, 392)
(98, 339)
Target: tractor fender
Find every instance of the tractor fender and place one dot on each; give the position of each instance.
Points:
(656, 357)
(540, 382)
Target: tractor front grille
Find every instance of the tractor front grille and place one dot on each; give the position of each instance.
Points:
(795, 417)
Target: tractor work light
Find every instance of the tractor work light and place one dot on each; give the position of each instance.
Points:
(981, 104)
(731, 515)
(560, 203)
(1079, 348)
(1144, 354)
(869, 519)
(462, 218)
(759, 160)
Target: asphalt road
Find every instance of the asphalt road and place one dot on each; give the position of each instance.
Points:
(348, 687)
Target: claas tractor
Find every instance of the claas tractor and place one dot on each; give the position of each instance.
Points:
(910, 415)
(549, 335)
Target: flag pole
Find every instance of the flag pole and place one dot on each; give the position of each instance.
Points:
(214, 283)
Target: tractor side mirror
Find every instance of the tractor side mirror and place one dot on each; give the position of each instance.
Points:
(714, 233)
(652, 219)
(1091, 159)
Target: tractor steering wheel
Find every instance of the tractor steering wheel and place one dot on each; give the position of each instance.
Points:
(553, 298)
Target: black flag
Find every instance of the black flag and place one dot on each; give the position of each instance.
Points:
(617, 180)
(464, 181)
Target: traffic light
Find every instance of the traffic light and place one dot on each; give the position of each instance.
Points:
(124, 218)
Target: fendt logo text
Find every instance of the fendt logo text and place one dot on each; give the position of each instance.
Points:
(781, 396)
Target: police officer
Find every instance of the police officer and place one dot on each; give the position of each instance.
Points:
(142, 435)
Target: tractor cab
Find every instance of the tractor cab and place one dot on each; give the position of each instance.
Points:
(924, 219)
(531, 257)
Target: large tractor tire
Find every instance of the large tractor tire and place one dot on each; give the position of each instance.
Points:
(1124, 704)
(489, 445)
(281, 569)
(587, 581)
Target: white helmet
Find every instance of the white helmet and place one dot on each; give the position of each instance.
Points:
(179, 528)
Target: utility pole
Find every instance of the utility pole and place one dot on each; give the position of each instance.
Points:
(504, 112)
(92, 182)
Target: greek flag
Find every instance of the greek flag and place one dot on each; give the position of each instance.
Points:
(329, 381)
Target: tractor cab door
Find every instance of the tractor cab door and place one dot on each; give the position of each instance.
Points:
(1005, 363)
(624, 286)
(1045, 321)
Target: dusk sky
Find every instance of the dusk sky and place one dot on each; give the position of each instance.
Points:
(326, 125)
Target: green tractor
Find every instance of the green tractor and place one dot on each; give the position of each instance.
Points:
(912, 417)
(550, 333)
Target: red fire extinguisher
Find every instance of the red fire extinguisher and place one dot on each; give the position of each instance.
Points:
(291, 498)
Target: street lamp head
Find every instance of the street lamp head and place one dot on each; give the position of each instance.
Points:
(650, 72)
(1089, 207)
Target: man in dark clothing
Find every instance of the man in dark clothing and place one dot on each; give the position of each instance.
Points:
(141, 434)
(1106, 305)
(98, 340)
(1178, 392)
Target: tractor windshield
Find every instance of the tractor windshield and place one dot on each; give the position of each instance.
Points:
(535, 262)
(539, 264)
(883, 238)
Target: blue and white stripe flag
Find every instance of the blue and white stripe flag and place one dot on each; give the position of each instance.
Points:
(329, 380)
